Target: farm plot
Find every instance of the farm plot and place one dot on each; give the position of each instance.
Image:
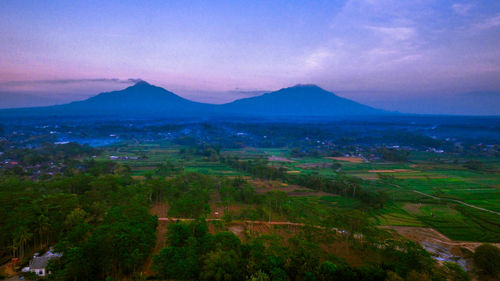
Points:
(460, 223)
(397, 215)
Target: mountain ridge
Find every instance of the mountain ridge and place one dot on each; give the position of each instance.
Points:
(143, 99)
(303, 100)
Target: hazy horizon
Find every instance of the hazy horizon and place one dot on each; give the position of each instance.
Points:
(408, 56)
(33, 99)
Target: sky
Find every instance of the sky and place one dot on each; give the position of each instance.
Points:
(415, 56)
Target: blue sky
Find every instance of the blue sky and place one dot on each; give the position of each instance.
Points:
(412, 56)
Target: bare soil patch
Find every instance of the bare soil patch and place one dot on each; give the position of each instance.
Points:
(366, 176)
(430, 235)
(421, 177)
(238, 230)
(347, 159)
(274, 158)
(7, 270)
(267, 183)
(160, 209)
(299, 193)
(391, 171)
(342, 249)
(218, 210)
(291, 190)
(413, 208)
(314, 165)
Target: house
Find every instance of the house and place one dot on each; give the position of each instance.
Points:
(38, 264)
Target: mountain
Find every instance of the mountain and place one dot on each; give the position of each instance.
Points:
(300, 100)
(144, 100)
(139, 100)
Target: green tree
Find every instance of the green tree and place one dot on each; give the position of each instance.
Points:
(227, 241)
(178, 234)
(487, 259)
(259, 276)
(327, 271)
(179, 263)
(222, 266)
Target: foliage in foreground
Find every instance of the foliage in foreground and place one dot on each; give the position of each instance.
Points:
(100, 223)
(195, 254)
(487, 260)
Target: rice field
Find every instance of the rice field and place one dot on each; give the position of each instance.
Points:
(405, 207)
(444, 180)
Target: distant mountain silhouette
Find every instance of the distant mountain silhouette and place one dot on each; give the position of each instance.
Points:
(146, 100)
(300, 100)
(139, 100)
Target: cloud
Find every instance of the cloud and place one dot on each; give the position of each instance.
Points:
(462, 9)
(317, 58)
(488, 23)
(65, 90)
(394, 33)
(69, 81)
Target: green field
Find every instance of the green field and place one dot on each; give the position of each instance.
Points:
(446, 179)
(152, 155)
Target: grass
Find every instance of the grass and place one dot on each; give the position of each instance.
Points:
(157, 154)
(394, 214)
(460, 223)
(340, 201)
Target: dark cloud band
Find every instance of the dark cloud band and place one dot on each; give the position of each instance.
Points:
(70, 81)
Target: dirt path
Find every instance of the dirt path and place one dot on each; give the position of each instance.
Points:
(248, 222)
(159, 209)
(268, 223)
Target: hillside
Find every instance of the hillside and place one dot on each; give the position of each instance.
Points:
(300, 100)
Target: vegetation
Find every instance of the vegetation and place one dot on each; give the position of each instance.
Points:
(487, 260)
(100, 222)
(195, 254)
(266, 203)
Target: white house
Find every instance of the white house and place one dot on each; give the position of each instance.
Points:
(38, 264)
